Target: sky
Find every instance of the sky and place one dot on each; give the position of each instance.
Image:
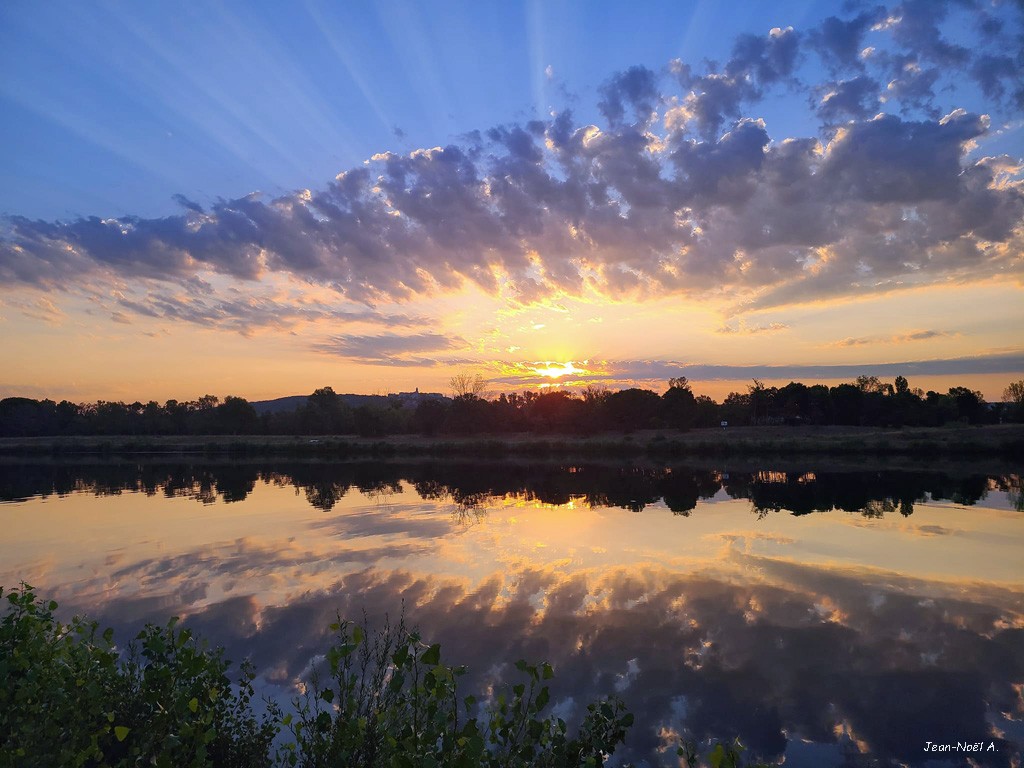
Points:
(260, 199)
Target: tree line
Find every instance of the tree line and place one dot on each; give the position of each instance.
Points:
(867, 401)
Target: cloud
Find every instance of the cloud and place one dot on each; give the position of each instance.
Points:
(918, 28)
(895, 339)
(839, 41)
(40, 308)
(392, 349)
(636, 88)
(855, 99)
(704, 202)
(743, 329)
(996, 74)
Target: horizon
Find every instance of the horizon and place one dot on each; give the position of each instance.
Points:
(717, 389)
(250, 201)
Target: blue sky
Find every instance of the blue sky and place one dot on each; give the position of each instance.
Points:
(159, 161)
(112, 109)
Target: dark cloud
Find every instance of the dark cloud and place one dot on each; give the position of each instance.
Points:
(769, 59)
(918, 29)
(245, 313)
(635, 88)
(839, 42)
(706, 200)
(854, 99)
(914, 88)
(888, 160)
(1000, 77)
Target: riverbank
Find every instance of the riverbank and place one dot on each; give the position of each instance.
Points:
(1003, 440)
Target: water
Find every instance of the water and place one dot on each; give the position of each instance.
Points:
(833, 616)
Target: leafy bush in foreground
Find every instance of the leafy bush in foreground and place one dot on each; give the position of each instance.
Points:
(392, 702)
(69, 698)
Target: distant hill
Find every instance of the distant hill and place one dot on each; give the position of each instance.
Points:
(280, 405)
(294, 402)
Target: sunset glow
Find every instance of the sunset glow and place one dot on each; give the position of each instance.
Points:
(386, 193)
(558, 370)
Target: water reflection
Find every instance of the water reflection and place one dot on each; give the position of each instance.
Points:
(883, 667)
(873, 493)
(825, 639)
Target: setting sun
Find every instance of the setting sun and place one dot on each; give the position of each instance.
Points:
(554, 370)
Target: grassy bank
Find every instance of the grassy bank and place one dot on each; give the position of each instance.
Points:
(1004, 440)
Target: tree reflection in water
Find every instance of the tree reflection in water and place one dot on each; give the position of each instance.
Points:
(470, 487)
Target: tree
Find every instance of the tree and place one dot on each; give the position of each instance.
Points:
(467, 385)
(236, 416)
(680, 382)
(324, 399)
(633, 409)
(680, 407)
(760, 400)
(1014, 393)
(869, 384)
(902, 386)
(970, 404)
(1014, 396)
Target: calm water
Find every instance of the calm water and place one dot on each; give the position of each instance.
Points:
(821, 615)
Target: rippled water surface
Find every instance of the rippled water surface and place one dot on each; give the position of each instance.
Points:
(831, 616)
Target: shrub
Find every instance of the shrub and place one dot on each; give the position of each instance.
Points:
(68, 698)
(393, 702)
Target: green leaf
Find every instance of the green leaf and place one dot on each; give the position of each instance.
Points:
(400, 656)
(543, 697)
(121, 732)
(432, 655)
(193, 704)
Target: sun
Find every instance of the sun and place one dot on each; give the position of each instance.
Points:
(555, 370)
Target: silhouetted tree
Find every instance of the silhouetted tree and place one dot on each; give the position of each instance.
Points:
(236, 416)
(679, 404)
(556, 411)
(1014, 395)
(429, 417)
(633, 409)
(463, 384)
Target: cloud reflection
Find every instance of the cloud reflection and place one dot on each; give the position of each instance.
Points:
(761, 659)
(774, 628)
